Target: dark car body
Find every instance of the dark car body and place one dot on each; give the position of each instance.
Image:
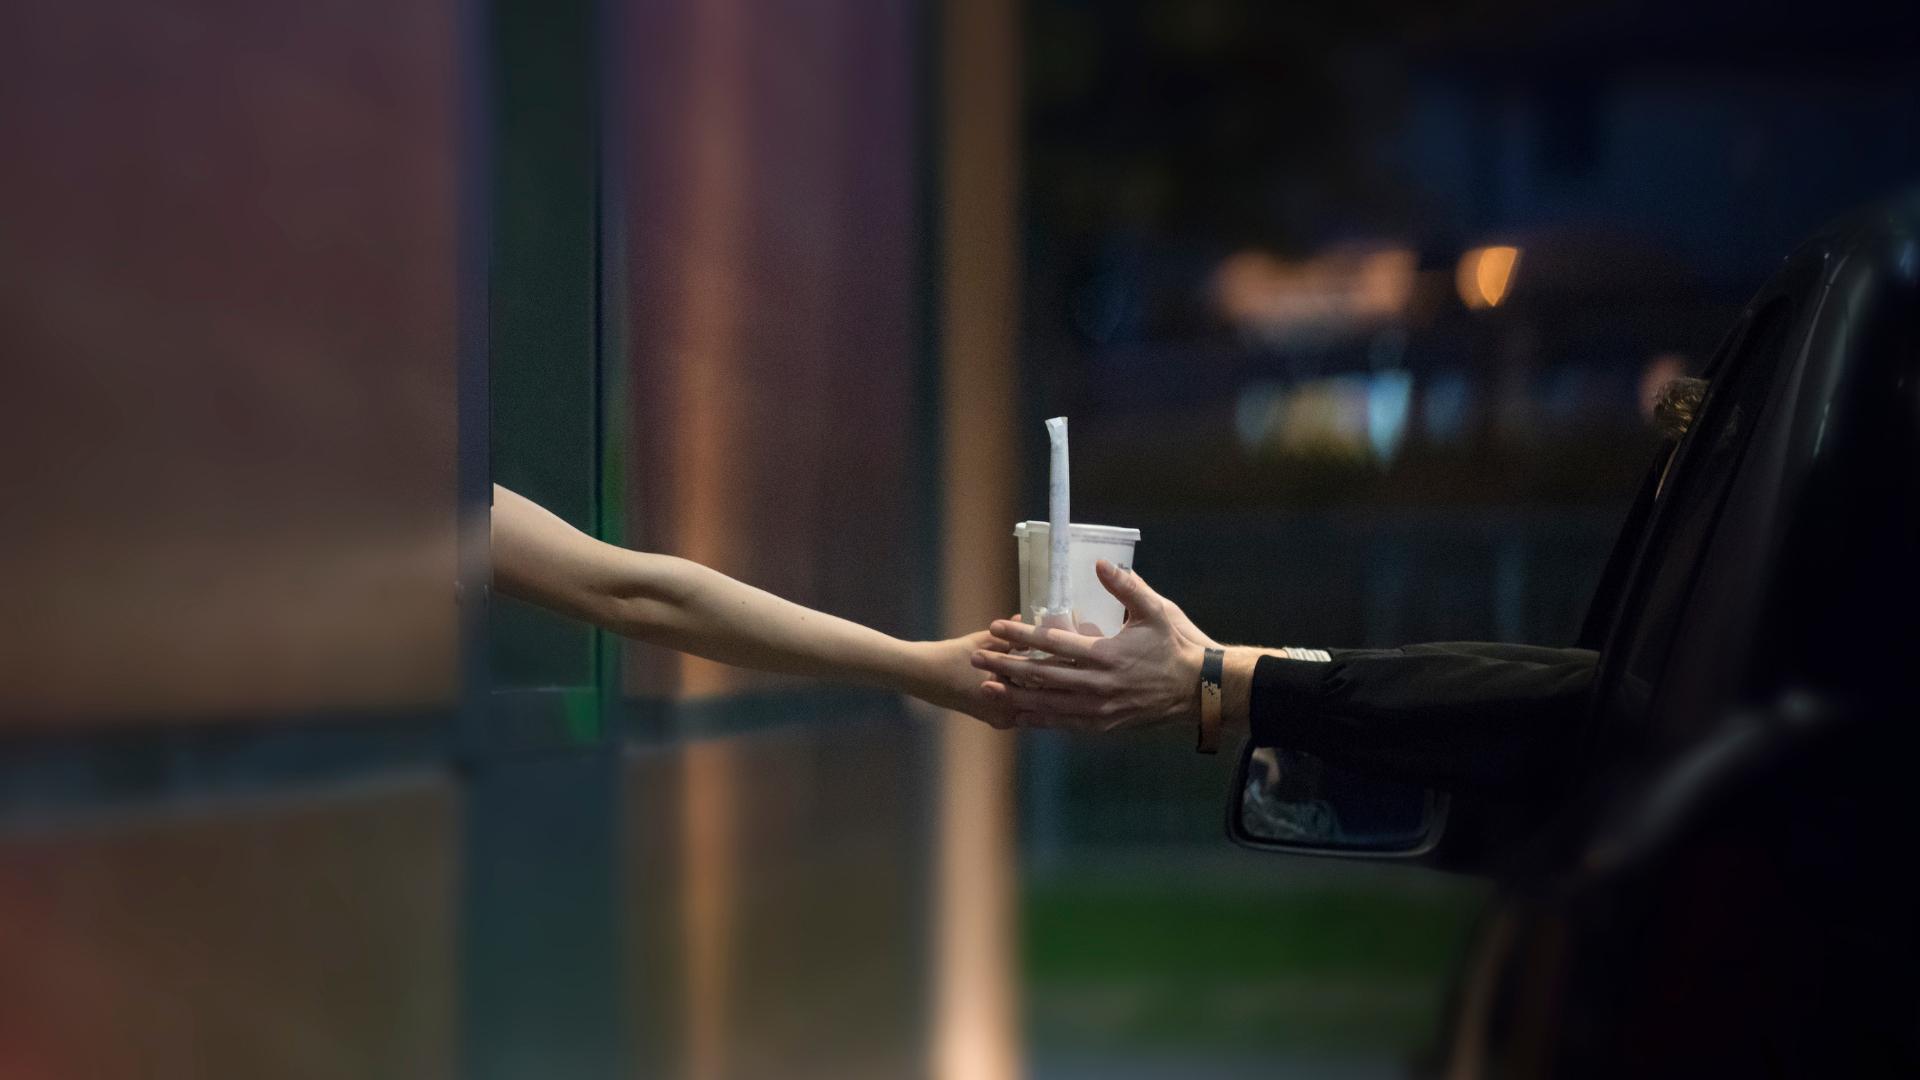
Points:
(1722, 885)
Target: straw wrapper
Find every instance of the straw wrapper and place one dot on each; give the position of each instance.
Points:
(1059, 609)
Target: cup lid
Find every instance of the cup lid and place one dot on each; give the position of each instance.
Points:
(1084, 532)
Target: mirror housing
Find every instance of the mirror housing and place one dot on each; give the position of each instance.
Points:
(1286, 800)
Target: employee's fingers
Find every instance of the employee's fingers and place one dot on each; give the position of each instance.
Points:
(1039, 674)
(1045, 638)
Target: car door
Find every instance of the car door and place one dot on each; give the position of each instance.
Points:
(1715, 900)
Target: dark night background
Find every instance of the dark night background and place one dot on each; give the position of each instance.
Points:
(1417, 470)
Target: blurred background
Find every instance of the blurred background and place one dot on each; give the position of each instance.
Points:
(1355, 310)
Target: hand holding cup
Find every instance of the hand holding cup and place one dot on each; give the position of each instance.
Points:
(1146, 674)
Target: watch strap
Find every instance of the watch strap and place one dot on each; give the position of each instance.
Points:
(1212, 670)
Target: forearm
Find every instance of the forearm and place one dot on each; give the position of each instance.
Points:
(1450, 715)
(682, 605)
(711, 615)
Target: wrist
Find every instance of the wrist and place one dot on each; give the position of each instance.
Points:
(937, 671)
(1208, 692)
(1191, 658)
(913, 667)
(1186, 631)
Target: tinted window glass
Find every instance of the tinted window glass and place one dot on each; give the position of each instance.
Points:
(1689, 506)
(227, 324)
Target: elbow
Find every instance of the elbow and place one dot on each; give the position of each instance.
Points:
(649, 601)
(638, 618)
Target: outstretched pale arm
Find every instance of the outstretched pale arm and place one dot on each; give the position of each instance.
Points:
(683, 605)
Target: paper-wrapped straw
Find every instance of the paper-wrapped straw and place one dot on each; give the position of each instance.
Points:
(1059, 525)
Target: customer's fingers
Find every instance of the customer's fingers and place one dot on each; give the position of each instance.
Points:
(1038, 674)
(1128, 587)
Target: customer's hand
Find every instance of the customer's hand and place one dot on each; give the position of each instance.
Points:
(1147, 674)
(1182, 624)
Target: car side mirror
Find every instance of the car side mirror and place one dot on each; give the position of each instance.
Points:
(1285, 800)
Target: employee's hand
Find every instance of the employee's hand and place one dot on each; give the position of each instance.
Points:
(1147, 674)
(946, 677)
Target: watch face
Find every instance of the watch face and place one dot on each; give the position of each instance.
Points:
(1212, 667)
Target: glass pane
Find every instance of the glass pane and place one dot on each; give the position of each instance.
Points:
(777, 907)
(769, 218)
(227, 312)
(301, 937)
(1693, 497)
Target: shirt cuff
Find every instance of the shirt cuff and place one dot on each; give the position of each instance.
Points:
(1283, 686)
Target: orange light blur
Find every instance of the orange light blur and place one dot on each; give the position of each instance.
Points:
(1339, 289)
(975, 941)
(1485, 275)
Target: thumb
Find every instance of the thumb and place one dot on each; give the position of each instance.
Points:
(1131, 589)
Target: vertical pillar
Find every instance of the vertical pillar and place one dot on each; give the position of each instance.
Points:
(975, 999)
(708, 364)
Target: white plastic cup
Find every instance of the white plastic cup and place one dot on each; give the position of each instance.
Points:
(1091, 601)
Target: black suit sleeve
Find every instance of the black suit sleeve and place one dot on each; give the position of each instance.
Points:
(1458, 716)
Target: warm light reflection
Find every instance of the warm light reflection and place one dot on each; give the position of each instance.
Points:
(711, 527)
(1338, 291)
(709, 894)
(1485, 275)
(975, 1027)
